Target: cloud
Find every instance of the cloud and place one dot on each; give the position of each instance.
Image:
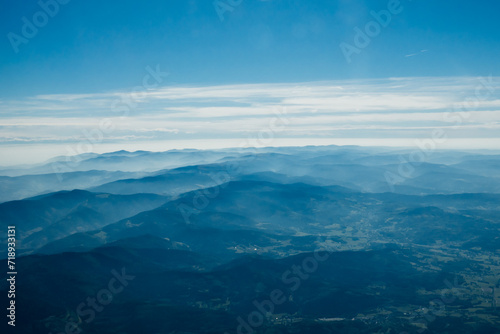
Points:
(415, 54)
(405, 107)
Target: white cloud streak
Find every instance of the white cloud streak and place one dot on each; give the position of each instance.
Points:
(390, 107)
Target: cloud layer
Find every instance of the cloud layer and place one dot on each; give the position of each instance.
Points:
(465, 107)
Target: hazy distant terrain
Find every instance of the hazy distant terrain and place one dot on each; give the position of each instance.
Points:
(209, 235)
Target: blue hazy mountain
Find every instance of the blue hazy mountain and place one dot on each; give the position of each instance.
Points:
(208, 234)
(298, 209)
(167, 172)
(19, 187)
(119, 161)
(357, 169)
(50, 217)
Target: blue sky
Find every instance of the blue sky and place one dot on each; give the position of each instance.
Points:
(63, 79)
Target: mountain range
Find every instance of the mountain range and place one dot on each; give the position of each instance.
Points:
(208, 238)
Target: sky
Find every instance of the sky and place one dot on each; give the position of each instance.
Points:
(78, 76)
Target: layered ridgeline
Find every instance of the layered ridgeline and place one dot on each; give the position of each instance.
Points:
(275, 240)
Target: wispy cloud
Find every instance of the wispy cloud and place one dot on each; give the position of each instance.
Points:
(394, 107)
(415, 54)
